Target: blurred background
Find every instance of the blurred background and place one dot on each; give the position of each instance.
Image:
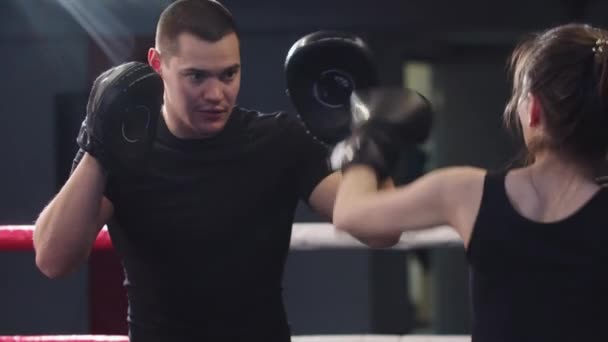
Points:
(454, 52)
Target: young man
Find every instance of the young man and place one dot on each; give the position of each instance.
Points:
(203, 229)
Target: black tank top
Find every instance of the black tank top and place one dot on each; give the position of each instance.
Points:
(534, 281)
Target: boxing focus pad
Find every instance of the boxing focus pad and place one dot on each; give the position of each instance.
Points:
(121, 116)
(385, 120)
(322, 69)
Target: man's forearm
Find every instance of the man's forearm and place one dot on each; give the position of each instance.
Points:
(67, 227)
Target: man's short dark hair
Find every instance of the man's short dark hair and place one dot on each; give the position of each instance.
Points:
(205, 19)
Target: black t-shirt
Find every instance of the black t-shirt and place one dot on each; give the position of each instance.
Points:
(204, 232)
(538, 281)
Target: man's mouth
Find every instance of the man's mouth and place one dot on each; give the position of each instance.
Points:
(211, 113)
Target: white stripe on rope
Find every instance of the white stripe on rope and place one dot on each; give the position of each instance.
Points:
(381, 338)
(310, 236)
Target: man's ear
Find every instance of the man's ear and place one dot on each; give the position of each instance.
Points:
(154, 60)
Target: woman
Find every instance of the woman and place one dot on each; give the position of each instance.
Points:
(535, 236)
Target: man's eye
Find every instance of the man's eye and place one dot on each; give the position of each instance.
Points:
(196, 76)
(229, 75)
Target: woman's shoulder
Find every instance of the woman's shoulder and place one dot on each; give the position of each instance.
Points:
(460, 175)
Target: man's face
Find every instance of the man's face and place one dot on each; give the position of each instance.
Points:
(202, 81)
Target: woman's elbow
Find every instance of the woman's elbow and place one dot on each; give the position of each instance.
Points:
(344, 220)
(371, 239)
(343, 225)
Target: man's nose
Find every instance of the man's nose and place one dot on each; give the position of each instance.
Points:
(212, 90)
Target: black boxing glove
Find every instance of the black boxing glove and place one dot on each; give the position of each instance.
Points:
(121, 116)
(386, 120)
(322, 69)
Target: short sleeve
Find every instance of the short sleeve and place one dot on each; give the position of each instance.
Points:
(311, 157)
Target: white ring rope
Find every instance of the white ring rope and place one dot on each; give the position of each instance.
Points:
(310, 236)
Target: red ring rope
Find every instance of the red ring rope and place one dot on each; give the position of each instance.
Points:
(19, 238)
(66, 338)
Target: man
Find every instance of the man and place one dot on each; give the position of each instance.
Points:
(203, 222)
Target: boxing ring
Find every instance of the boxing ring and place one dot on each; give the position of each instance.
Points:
(305, 236)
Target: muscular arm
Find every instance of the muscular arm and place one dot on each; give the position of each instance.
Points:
(448, 196)
(67, 228)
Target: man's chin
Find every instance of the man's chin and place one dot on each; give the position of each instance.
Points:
(208, 130)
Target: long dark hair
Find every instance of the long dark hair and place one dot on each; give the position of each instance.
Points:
(566, 69)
